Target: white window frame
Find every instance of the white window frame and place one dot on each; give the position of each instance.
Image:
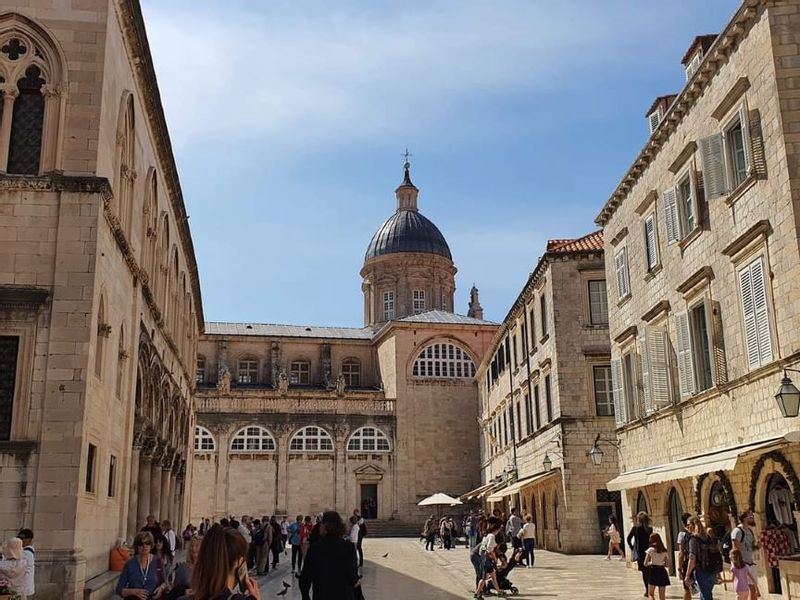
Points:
(740, 117)
(351, 371)
(443, 360)
(311, 439)
(253, 439)
(694, 64)
(622, 273)
(388, 305)
(608, 391)
(598, 301)
(200, 369)
(300, 372)
(204, 440)
(419, 301)
(650, 230)
(247, 371)
(698, 358)
(654, 119)
(756, 307)
(683, 206)
(368, 439)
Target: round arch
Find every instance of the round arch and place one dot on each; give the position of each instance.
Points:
(775, 462)
(311, 439)
(204, 440)
(253, 438)
(720, 485)
(368, 439)
(442, 357)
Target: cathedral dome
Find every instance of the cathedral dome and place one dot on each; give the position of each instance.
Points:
(407, 231)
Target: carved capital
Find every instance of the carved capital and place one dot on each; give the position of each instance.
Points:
(158, 452)
(138, 440)
(168, 458)
(104, 329)
(50, 90)
(9, 90)
(148, 447)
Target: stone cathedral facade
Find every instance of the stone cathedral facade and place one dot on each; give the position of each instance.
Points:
(295, 419)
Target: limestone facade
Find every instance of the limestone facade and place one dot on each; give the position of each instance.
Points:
(545, 394)
(391, 407)
(99, 296)
(701, 241)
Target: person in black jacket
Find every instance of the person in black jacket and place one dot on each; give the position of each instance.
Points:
(639, 540)
(330, 568)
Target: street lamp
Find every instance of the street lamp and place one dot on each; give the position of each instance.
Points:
(596, 453)
(788, 396)
(547, 463)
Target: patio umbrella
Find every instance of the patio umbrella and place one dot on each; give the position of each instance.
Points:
(439, 499)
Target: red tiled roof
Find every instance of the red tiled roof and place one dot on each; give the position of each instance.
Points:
(668, 99)
(703, 41)
(590, 242)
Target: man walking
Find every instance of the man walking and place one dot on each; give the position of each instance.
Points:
(429, 531)
(512, 529)
(744, 540)
(362, 532)
(260, 543)
(29, 556)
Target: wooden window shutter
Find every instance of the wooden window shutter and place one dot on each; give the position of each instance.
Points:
(669, 206)
(744, 119)
(660, 380)
(714, 319)
(618, 391)
(756, 313)
(714, 177)
(621, 263)
(650, 241)
(645, 366)
(685, 358)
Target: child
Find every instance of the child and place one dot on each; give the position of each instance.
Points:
(657, 559)
(742, 577)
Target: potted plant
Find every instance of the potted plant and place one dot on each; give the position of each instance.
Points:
(5, 591)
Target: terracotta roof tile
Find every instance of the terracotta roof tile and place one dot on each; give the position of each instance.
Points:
(587, 243)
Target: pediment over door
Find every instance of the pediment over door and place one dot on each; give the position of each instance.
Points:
(368, 473)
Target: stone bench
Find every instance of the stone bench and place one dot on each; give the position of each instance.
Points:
(101, 587)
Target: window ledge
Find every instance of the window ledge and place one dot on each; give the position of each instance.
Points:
(596, 326)
(624, 299)
(544, 338)
(653, 271)
(740, 190)
(685, 242)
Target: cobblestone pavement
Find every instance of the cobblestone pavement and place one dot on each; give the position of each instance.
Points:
(409, 572)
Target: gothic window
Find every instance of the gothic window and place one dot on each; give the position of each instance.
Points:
(31, 78)
(248, 371)
(103, 329)
(121, 356)
(253, 439)
(203, 440)
(299, 372)
(368, 439)
(126, 173)
(9, 346)
(443, 360)
(200, 372)
(25, 144)
(311, 439)
(351, 371)
(150, 226)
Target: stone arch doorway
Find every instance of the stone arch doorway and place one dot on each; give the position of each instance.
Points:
(674, 512)
(641, 503)
(719, 513)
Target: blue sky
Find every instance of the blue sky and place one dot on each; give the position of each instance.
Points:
(288, 120)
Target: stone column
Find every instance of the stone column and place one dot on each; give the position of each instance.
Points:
(10, 92)
(133, 486)
(155, 481)
(143, 492)
(52, 109)
(282, 472)
(180, 495)
(223, 467)
(340, 486)
(166, 491)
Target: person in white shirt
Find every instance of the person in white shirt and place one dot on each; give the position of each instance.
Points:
(14, 566)
(528, 536)
(488, 555)
(169, 534)
(29, 554)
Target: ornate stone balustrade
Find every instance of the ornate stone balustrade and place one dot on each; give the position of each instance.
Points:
(249, 403)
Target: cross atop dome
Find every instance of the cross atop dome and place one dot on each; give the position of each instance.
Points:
(407, 192)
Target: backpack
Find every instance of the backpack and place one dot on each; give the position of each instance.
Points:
(727, 546)
(709, 558)
(258, 537)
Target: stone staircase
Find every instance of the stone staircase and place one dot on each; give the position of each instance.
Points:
(382, 529)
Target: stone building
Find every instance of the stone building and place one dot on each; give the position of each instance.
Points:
(545, 394)
(295, 419)
(701, 240)
(99, 295)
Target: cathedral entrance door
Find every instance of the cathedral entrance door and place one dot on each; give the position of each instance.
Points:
(369, 500)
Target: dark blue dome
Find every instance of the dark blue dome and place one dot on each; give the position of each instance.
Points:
(407, 231)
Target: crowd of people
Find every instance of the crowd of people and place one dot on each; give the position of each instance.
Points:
(702, 555)
(223, 559)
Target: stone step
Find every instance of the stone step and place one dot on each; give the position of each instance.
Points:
(379, 528)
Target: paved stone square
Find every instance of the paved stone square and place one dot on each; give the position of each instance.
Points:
(411, 572)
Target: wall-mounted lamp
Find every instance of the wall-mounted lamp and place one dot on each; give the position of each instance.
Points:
(596, 453)
(788, 396)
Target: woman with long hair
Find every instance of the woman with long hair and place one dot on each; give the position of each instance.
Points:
(13, 565)
(162, 550)
(222, 566)
(330, 564)
(657, 559)
(614, 540)
(705, 560)
(639, 540)
(182, 575)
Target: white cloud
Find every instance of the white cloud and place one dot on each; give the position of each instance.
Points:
(237, 74)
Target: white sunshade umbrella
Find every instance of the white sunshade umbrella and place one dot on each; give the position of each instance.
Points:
(439, 499)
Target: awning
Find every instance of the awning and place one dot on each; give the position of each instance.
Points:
(518, 485)
(723, 459)
(477, 492)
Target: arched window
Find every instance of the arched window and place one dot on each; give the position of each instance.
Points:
(203, 440)
(121, 356)
(544, 511)
(300, 372)
(311, 439)
(247, 371)
(253, 439)
(200, 373)
(368, 439)
(351, 371)
(641, 503)
(150, 227)
(443, 360)
(126, 168)
(103, 330)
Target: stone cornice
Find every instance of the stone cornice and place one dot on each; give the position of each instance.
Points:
(57, 182)
(134, 32)
(724, 45)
